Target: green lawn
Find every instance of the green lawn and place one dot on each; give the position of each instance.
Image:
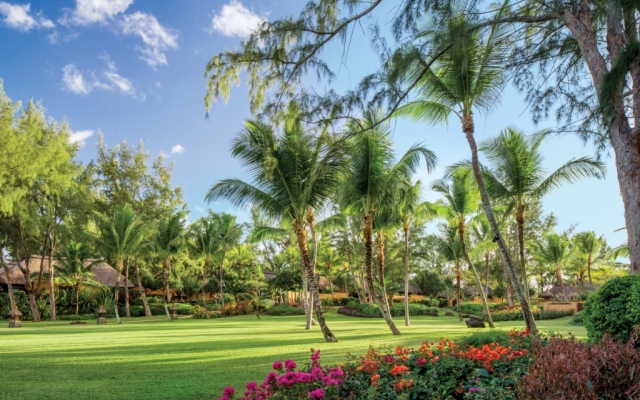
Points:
(189, 359)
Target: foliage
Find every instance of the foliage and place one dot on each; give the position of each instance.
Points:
(614, 309)
(282, 310)
(570, 369)
(198, 312)
(367, 311)
(481, 338)
(430, 282)
(578, 319)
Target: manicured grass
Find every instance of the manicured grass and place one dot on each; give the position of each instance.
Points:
(190, 359)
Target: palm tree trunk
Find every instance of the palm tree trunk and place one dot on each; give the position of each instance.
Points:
(204, 282)
(127, 311)
(117, 288)
(483, 295)
(468, 129)
(520, 222)
(381, 261)
(331, 286)
(147, 310)
(589, 268)
(458, 296)
(560, 281)
(312, 229)
(368, 266)
(406, 277)
(301, 235)
(486, 270)
(165, 282)
(507, 284)
(12, 299)
(77, 299)
(222, 284)
(52, 293)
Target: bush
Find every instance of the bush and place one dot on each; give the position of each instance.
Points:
(515, 314)
(471, 308)
(199, 313)
(434, 303)
(479, 339)
(282, 310)
(577, 319)
(568, 369)
(614, 309)
(367, 311)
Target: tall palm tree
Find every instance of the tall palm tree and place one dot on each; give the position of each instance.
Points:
(593, 247)
(460, 204)
(291, 173)
(515, 174)
(229, 234)
(205, 241)
(449, 247)
(553, 250)
(167, 243)
(329, 262)
(73, 269)
(467, 78)
(411, 211)
(119, 237)
(371, 184)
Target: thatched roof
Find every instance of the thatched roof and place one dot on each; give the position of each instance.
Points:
(569, 290)
(413, 289)
(269, 275)
(546, 294)
(323, 283)
(103, 273)
(473, 290)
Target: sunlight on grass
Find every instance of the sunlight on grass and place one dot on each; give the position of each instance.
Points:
(187, 359)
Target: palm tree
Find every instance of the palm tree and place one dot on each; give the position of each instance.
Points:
(553, 250)
(410, 210)
(330, 262)
(118, 238)
(371, 184)
(593, 247)
(449, 247)
(229, 233)
(467, 77)
(205, 241)
(73, 269)
(168, 242)
(515, 174)
(291, 173)
(461, 202)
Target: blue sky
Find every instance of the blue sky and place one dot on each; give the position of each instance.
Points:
(134, 70)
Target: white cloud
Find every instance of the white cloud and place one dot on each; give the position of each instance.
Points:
(80, 82)
(177, 149)
(75, 81)
(80, 137)
(56, 37)
(236, 20)
(157, 39)
(95, 11)
(18, 16)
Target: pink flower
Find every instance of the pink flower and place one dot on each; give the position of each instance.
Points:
(290, 365)
(277, 365)
(229, 391)
(252, 386)
(317, 394)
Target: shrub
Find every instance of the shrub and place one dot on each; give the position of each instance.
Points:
(199, 313)
(353, 312)
(614, 309)
(471, 308)
(282, 310)
(367, 311)
(568, 369)
(577, 319)
(434, 303)
(481, 338)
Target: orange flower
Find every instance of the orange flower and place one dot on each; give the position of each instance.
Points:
(398, 369)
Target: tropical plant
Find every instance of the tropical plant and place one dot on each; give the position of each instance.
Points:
(450, 248)
(372, 185)
(553, 250)
(292, 173)
(74, 269)
(594, 248)
(118, 237)
(515, 174)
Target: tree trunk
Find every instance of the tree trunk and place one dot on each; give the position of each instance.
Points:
(165, 281)
(52, 293)
(381, 260)
(34, 307)
(127, 311)
(355, 285)
(368, 264)
(560, 280)
(458, 295)
(204, 282)
(117, 288)
(523, 263)
(406, 277)
(468, 129)
(483, 295)
(301, 235)
(222, 284)
(312, 229)
(486, 270)
(589, 268)
(12, 299)
(331, 286)
(147, 310)
(507, 284)
(305, 298)
(77, 300)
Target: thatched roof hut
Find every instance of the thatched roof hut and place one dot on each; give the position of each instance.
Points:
(323, 283)
(269, 275)
(569, 290)
(472, 291)
(546, 295)
(413, 289)
(103, 273)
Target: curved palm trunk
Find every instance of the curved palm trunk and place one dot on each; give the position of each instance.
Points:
(368, 264)
(165, 281)
(560, 280)
(12, 299)
(406, 277)
(127, 310)
(523, 263)
(458, 279)
(381, 260)
(507, 284)
(52, 293)
(207, 260)
(305, 297)
(301, 235)
(486, 269)
(147, 310)
(468, 129)
(589, 268)
(77, 299)
(483, 295)
(312, 229)
(117, 289)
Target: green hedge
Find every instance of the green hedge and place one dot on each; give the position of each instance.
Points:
(341, 302)
(283, 309)
(578, 319)
(516, 315)
(396, 311)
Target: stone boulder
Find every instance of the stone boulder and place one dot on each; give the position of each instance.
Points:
(475, 322)
(449, 314)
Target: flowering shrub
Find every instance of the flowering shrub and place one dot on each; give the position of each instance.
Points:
(568, 369)
(442, 370)
(286, 382)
